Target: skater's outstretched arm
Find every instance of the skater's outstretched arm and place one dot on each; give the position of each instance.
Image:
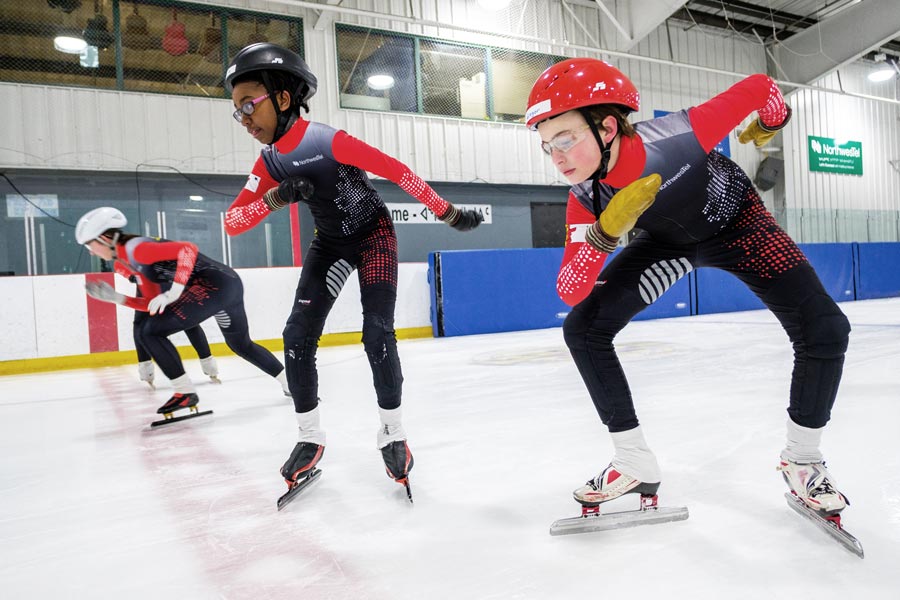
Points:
(352, 151)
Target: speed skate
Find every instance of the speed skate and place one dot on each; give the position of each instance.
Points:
(830, 525)
(591, 519)
(168, 419)
(296, 488)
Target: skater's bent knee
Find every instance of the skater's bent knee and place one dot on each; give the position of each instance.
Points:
(826, 329)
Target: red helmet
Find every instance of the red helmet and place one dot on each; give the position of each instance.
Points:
(575, 83)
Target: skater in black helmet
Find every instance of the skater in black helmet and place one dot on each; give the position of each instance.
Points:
(179, 289)
(696, 209)
(305, 161)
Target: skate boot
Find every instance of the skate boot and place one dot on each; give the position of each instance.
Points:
(145, 372)
(391, 440)
(398, 460)
(609, 485)
(210, 368)
(177, 402)
(301, 462)
(812, 483)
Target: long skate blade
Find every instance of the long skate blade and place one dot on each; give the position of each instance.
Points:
(170, 420)
(408, 489)
(838, 533)
(621, 520)
(214, 379)
(298, 488)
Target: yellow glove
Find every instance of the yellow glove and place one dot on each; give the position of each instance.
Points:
(622, 212)
(761, 134)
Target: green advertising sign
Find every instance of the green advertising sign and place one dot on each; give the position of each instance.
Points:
(828, 156)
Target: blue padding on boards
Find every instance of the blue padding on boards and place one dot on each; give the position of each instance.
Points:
(878, 270)
(432, 294)
(718, 291)
(489, 291)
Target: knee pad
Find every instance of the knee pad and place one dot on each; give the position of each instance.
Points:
(378, 335)
(824, 327)
(300, 339)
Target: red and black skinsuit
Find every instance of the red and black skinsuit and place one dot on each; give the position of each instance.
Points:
(211, 289)
(706, 214)
(353, 231)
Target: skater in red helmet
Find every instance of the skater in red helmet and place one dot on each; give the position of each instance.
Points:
(695, 208)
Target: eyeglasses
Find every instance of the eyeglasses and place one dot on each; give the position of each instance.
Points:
(564, 141)
(247, 108)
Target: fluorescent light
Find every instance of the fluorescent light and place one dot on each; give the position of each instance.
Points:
(69, 44)
(380, 82)
(195, 198)
(881, 74)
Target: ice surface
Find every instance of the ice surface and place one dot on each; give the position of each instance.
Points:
(95, 504)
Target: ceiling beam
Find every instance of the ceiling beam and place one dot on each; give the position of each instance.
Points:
(636, 19)
(762, 13)
(836, 41)
(699, 17)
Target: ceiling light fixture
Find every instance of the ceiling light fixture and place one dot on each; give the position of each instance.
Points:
(380, 82)
(70, 43)
(881, 74)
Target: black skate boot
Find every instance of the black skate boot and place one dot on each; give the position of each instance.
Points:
(398, 462)
(177, 402)
(301, 462)
(300, 470)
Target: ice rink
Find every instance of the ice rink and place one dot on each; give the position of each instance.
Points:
(95, 504)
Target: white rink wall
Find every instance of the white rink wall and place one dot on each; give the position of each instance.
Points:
(47, 316)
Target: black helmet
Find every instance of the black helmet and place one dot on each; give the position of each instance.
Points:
(264, 56)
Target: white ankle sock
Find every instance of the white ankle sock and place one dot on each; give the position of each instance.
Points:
(310, 431)
(282, 379)
(209, 366)
(802, 444)
(633, 456)
(183, 385)
(391, 429)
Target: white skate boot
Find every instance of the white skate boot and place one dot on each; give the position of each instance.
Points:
(609, 485)
(146, 372)
(812, 483)
(633, 470)
(805, 473)
(210, 368)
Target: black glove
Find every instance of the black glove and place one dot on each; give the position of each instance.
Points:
(290, 190)
(462, 220)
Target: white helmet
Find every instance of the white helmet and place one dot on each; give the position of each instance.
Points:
(94, 223)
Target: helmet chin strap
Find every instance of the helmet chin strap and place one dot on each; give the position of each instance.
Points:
(111, 245)
(602, 169)
(284, 119)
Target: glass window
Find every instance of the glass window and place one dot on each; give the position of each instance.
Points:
(513, 72)
(177, 207)
(166, 46)
(453, 80)
(46, 42)
(375, 70)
